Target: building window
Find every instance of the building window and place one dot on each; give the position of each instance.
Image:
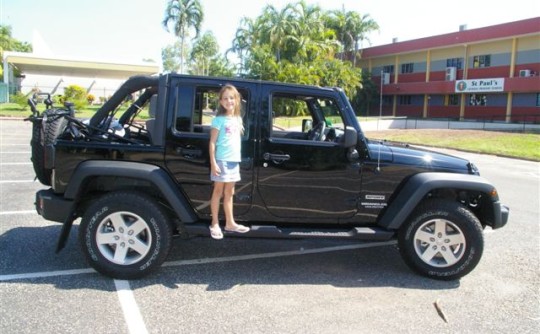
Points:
(407, 68)
(453, 100)
(405, 100)
(478, 100)
(538, 99)
(454, 62)
(481, 61)
(387, 100)
(388, 69)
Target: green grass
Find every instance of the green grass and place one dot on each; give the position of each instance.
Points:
(516, 145)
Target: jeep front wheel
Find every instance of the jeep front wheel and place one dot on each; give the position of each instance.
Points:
(125, 235)
(442, 240)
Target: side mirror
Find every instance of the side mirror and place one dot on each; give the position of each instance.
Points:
(350, 137)
(307, 124)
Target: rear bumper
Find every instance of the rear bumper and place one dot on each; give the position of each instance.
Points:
(52, 206)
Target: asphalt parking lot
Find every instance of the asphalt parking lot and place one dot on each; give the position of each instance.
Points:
(264, 286)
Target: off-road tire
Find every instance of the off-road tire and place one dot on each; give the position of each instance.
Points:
(38, 154)
(44, 132)
(125, 235)
(441, 240)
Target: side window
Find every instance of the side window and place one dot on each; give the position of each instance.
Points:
(452, 100)
(298, 116)
(478, 100)
(197, 106)
(482, 61)
(405, 100)
(407, 68)
(454, 62)
(388, 69)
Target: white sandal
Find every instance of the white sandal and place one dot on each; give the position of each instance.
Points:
(238, 229)
(215, 232)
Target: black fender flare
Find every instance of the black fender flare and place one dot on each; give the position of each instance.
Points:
(419, 185)
(143, 171)
(136, 170)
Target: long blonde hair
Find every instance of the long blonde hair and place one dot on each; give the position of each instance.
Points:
(237, 100)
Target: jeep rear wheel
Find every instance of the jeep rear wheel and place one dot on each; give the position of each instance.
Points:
(125, 235)
(442, 240)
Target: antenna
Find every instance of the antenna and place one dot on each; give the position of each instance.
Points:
(378, 169)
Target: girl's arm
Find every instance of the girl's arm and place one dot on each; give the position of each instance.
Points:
(214, 169)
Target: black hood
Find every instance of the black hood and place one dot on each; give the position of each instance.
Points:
(404, 154)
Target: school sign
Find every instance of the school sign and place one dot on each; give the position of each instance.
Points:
(479, 85)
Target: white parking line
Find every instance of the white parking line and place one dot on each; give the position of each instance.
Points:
(14, 152)
(24, 212)
(45, 274)
(206, 260)
(14, 163)
(17, 181)
(132, 314)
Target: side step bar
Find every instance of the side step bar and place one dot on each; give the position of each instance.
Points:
(353, 233)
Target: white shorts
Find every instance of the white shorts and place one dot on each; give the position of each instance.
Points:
(230, 172)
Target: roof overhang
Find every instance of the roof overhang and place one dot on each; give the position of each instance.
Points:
(29, 63)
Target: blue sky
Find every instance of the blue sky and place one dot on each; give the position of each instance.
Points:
(131, 30)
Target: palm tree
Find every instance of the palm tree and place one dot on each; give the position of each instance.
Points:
(183, 15)
(8, 43)
(309, 19)
(5, 38)
(244, 40)
(351, 28)
(312, 39)
(360, 27)
(204, 51)
(276, 27)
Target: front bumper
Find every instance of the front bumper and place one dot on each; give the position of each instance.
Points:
(52, 206)
(501, 215)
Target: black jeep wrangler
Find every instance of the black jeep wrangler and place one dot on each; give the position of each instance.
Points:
(137, 184)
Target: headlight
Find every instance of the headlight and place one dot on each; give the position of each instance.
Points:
(473, 169)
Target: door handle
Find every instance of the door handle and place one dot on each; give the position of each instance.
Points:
(276, 157)
(189, 152)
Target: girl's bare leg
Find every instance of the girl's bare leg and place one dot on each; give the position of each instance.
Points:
(228, 194)
(214, 202)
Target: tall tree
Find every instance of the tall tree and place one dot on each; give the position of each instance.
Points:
(181, 16)
(312, 39)
(205, 49)
(276, 27)
(351, 29)
(8, 43)
(170, 56)
(244, 41)
(299, 43)
(358, 32)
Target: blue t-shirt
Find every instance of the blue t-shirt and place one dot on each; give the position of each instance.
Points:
(229, 140)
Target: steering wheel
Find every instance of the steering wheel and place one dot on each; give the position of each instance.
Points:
(317, 133)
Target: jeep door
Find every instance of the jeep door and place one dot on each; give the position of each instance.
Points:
(303, 175)
(194, 103)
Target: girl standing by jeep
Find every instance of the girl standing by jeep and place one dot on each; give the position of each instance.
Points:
(225, 157)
